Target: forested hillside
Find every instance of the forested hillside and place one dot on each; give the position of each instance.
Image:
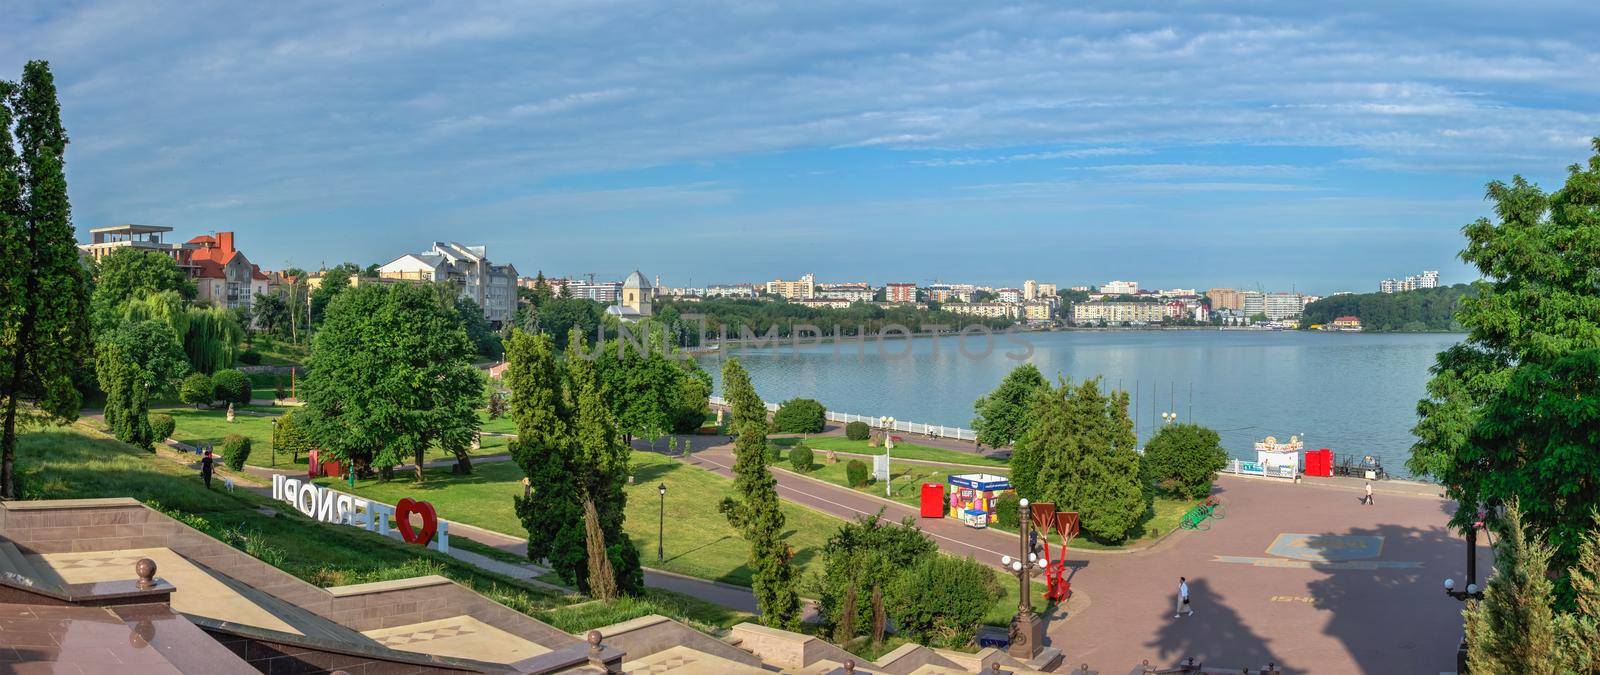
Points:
(1431, 309)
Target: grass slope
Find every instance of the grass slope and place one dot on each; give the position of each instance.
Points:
(902, 451)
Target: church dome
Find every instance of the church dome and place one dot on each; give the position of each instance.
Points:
(636, 280)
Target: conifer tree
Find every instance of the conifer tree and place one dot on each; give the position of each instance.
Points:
(43, 287)
(1512, 630)
(755, 510)
(1084, 444)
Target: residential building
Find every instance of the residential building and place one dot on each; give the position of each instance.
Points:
(1254, 303)
(1009, 295)
(730, 291)
(825, 303)
(1120, 288)
(604, 292)
(1038, 311)
(850, 292)
(1225, 298)
(1030, 289)
(104, 240)
(988, 310)
(1346, 322)
(1173, 310)
(493, 287)
(900, 293)
(950, 292)
(222, 275)
(1201, 314)
(1178, 293)
(1118, 312)
(1080, 289)
(1428, 279)
(636, 300)
(804, 287)
(1046, 291)
(1282, 305)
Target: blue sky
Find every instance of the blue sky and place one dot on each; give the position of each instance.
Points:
(1192, 144)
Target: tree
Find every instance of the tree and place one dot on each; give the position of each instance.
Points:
(1517, 627)
(390, 375)
(134, 362)
(289, 434)
(1082, 443)
(601, 469)
(231, 386)
(801, 416)
(641, 384)
(43, 288)
(127, 274)
(197, 390)
(942, 599)
(1182, 460)
(210, 335)
(1512, 410)
(755, 510)
(483, 338)
(334, 282)
(272, 312)
(864, 554)
(692, 399)
(1002, 413)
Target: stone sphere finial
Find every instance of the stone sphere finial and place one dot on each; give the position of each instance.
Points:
(593, 637)
(850, 665)
(146, 569)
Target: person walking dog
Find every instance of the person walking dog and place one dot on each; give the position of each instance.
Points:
(206, 463)
(1183, 599)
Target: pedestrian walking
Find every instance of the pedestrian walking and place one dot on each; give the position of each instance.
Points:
(1368, 499)
(206, 461)
(1183, 599)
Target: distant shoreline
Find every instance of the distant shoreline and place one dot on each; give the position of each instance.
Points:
(789, 341)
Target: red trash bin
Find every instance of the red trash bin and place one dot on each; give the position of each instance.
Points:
(932, 500)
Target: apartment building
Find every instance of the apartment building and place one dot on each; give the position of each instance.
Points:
(1045, 291)
(105, 240)
(1428, 279)
(900, 292)
(1118, 312)
(987, 310)
(493, 287)
(1120, 288)
(1226, 298)
(951, 292)
(730, 291)
(1030, 289)
(1010, 295)
(1274, 305)
(1038, 311)
(803, 288)
(849, 292)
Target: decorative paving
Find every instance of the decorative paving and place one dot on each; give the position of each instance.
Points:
(1323, 552)
(197, 592)
(458, 636)
(681, 660)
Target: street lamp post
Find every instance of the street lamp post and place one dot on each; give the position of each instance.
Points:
(661, 524)
(1169, 417)
(888, 476)
(1027, 629)
(1472, 590)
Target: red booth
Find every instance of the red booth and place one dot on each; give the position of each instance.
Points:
(932, 500)
(1319, 463)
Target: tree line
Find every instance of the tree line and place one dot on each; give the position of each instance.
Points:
(1426, 309)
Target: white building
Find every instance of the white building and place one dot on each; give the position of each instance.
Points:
(852, 292)
(1009, 295)
(1120, 288)
(1084, 313)
(951, 292)
(493, 287)
(730, 291)
(1283, 305)
(990, 310)
(104, 240)
(1428, 279)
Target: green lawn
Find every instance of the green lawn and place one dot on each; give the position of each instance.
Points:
(281, 353)
(76, 463)
(699, 541)
(907, 479)
(903, 450)
(211, 426)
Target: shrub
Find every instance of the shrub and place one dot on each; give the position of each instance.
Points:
(857, 473)
(941, 599)
(1182, 460)
(1006, 511)
(800, 458)
(235, 451)
(497, 405)
(161, 427)
(278, 390)
(857, 431)
(231, 386)
(774, 452)
(864, 554)
(197, 390)
(289, 434)
(800, 416)
(250, 357)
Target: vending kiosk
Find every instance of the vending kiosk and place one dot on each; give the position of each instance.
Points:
(973, 497)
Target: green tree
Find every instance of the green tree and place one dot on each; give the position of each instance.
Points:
(800, 416)
(641, 384)
(272, 312)
(43, 288)
(600, 466)
(231, 386)
(1085, 448)
(483, 338)
(334, 282)
(1182, 460)
(755, 510)
(390, 375)
(1512, 631)
(941, 599)
(134, 362)
(210, 335)
(1512, 410)
(1003, 413)
(128, 274)
(692, 400)
(197, 390)
(864, 554)
(289, 435)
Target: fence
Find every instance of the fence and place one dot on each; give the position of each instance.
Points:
(1243, 468)
(929, 430)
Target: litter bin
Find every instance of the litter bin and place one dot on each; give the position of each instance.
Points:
(932, 500)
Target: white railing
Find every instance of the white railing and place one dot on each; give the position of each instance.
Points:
(1243, 468)
(929, 430)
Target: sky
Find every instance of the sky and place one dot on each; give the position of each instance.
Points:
(1245, 144)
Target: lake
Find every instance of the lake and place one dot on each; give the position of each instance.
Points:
(1352, 392)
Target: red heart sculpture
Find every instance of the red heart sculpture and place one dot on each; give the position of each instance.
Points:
(402, 517)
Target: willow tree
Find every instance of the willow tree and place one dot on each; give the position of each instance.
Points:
(210, 335)
(135, 362)
(44, 338)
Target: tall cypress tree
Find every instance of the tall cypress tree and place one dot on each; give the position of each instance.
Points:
(542, 450)
(42, 283)
(755, 510)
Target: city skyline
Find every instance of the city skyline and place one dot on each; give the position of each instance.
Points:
(982, 144)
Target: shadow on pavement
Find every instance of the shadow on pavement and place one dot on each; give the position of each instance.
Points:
(1214, 635)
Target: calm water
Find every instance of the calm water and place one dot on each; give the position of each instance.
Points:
(1353, 393)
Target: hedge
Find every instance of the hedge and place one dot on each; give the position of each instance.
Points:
(231, 386)
(800, 457)
(800, 416)
(857, 473)
(235, 451)
(857, 431)
(161, 427)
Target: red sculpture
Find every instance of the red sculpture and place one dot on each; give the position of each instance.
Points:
(402, 518)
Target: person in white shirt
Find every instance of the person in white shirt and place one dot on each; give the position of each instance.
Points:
(1368, 498)
(1183, 599)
